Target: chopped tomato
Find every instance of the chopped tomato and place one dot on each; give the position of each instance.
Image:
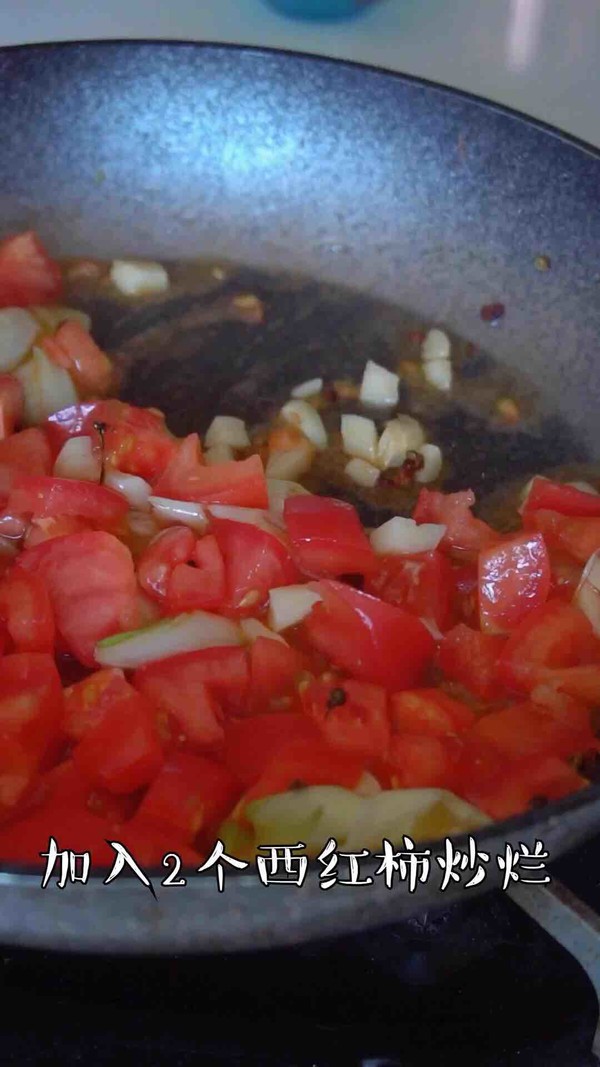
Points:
(465, 597)
(566, 575)
(30, 712)
(11, 404)
(190, 794)
(578, 537)
(274, 670)
(472, 659)
(158, 561)
(187, 699)
(526, 783)
(546, 495)
(198, 583)
(429, 712)
(73, 349)
(374, 641)
(65, 786)
(529, 729)
(252, 744)
(352, 716)
(422, 761)
(256, 560)
(326, 537)
(41, 530)
(583, 683)
(121, 751)
(307, 762)
(27, 452)
(26, 611)
(150, 842)
(422, 584)
(173, 683)
(86, 702)
(92, 586)
(241, 482)
(23, 839)
(47, 497)
(464, 533)
(554, 635)
(27, 273)
(514, 578)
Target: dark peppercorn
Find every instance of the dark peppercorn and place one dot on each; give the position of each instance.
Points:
(337, 697)
(297, 784)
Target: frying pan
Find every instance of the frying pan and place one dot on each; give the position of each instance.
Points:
(358, 202)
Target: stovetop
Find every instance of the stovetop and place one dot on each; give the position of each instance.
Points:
(479, 982)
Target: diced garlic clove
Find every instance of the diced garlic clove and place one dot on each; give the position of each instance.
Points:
(18, 330)
(289, 604)
(227, 430)
(359, 437)
(401, 435)
(400, 536)
(379, 386)
(362, 473)
(135, 277)
(79, 459)
(291, 464)
(432, 464)
(253, 629)
(47, 388)
(435, 346)
(218, 454)
(305, 418)
(310, 388)
(438, 372)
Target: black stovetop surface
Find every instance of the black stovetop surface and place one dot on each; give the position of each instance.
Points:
(479, 983)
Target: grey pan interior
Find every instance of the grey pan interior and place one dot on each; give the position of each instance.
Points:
(400, 191)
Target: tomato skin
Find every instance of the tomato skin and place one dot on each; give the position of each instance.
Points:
(190, 794)
(360, 725)
(522, 782)
(326, 537)
(73, 349)
(92, 587)
(156, 564)
(201, 585)
(27, 452)
(464, 533)
(577, 537)
(22, 840)
(121, 751)
(47, 497)
(252, 744)
(256, 560)
(514, 578)
(371, 640)
(30, 712)
(274, 670)
(240, 482)
(554, 635)
(429, 712)
(528, 729)
(472, 659)
(42, 530)
(11, 404)
(421, 761)
(190, 703)
(306, 762)
(149, 842)
(26, 611)
(27, 273)
(172, 683)
(545, 495)
(421, 584)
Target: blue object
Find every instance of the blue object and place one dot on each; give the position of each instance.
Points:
(320, 9)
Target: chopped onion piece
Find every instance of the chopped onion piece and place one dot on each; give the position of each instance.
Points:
(368, 786)
(438, 372)
(136, 277)
(362, 473)
(289, 604)
(359, 437)
(400, 536)
(251, 516)
(435, 346)
(301, 414)
(379, 386)
(227, 430)
(290, 464)
(78, 459)
(169, 637)
(218, 454)
(401, 435)
(253, 629)
(432, 464)
(136, 490)
(279, 489)
(587, 595)
(179, 512)
(47, 388)
(306, 389)
(18, 330)
(584, 487)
